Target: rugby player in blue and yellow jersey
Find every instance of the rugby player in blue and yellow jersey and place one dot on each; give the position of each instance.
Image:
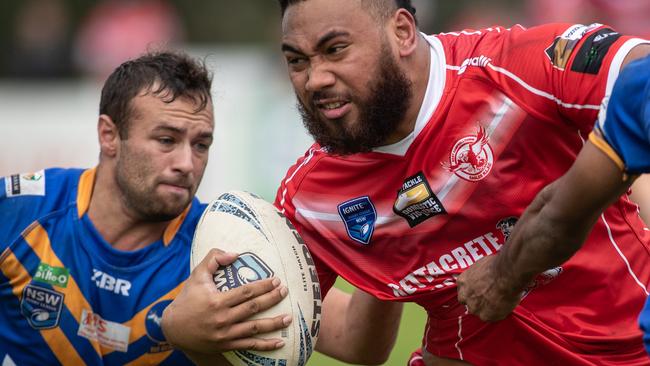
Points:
(91, 259)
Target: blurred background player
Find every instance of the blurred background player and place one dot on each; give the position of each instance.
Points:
(556, 224)
(91, 258)
(435, 145)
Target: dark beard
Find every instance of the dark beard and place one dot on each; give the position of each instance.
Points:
(379, 116)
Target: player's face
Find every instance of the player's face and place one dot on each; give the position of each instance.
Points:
(351, 91)
(161, 163)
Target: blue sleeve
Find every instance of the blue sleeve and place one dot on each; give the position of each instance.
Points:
(626, 126)
(24, 198)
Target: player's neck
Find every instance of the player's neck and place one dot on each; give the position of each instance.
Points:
(115, 222)
(417, 70)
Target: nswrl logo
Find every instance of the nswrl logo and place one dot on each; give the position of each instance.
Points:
(41, 306)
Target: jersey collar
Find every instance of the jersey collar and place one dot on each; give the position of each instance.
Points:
(432, 96)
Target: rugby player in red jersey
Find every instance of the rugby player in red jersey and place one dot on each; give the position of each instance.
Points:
(428, 149)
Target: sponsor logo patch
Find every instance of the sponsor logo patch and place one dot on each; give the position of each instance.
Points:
(562, 48)
(107, 333)
(245, 269)
(359, 216)
(591, 54)
(471, 157)
(109, 283)
(416, 202)
(41, 306)
(30, 184)
(55, 276)
(478, 61)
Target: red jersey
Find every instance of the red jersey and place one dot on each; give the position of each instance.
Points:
(505, 113)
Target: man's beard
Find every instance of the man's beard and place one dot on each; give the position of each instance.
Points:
(139, 194)
(379, 115)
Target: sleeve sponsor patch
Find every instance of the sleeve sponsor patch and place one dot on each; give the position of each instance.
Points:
(592, 52)
(562, 48)
(30, 184)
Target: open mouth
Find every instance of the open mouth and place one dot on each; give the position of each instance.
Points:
(333, 109)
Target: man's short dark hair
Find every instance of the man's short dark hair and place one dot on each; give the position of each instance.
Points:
(383, 6)
(166, 74)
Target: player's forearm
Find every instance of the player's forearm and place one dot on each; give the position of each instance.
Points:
(543, 238)
(358, 328)
(373, 327)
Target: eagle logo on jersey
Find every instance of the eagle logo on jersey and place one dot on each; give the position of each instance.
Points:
(471, 157)
(416, 202)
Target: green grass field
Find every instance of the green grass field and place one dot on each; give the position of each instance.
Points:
(409, 337)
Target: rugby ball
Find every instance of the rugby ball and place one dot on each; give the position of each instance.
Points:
(268, 246)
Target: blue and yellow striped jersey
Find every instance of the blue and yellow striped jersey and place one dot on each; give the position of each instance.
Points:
(66, 295)
(623, 131)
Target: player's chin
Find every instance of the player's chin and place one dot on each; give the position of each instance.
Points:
(172, 205)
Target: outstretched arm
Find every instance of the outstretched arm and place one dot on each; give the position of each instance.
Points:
(549, 232)
(358, 328)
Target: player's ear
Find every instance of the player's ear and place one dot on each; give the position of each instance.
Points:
(405, 32)
(108, 135)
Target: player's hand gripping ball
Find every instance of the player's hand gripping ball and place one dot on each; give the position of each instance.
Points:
(269, 246)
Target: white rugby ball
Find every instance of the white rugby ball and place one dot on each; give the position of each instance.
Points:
(268, 246)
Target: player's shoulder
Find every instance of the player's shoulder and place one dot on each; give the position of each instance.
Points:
(28, 197)
(516, 42)
(305, 164)
(48, 188)
(635, 77)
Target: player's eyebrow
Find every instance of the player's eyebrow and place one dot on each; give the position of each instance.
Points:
(329, 36)
(322, 41)
(169, 129)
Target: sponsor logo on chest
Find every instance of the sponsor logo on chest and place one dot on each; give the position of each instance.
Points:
(416, 202)
(109, 334)
(436, 274)
(109, 283)
(55, 276)
(359, 216)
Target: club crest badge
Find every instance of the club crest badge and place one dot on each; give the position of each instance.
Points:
(471, 157)
(359, 216)
(416, 202)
